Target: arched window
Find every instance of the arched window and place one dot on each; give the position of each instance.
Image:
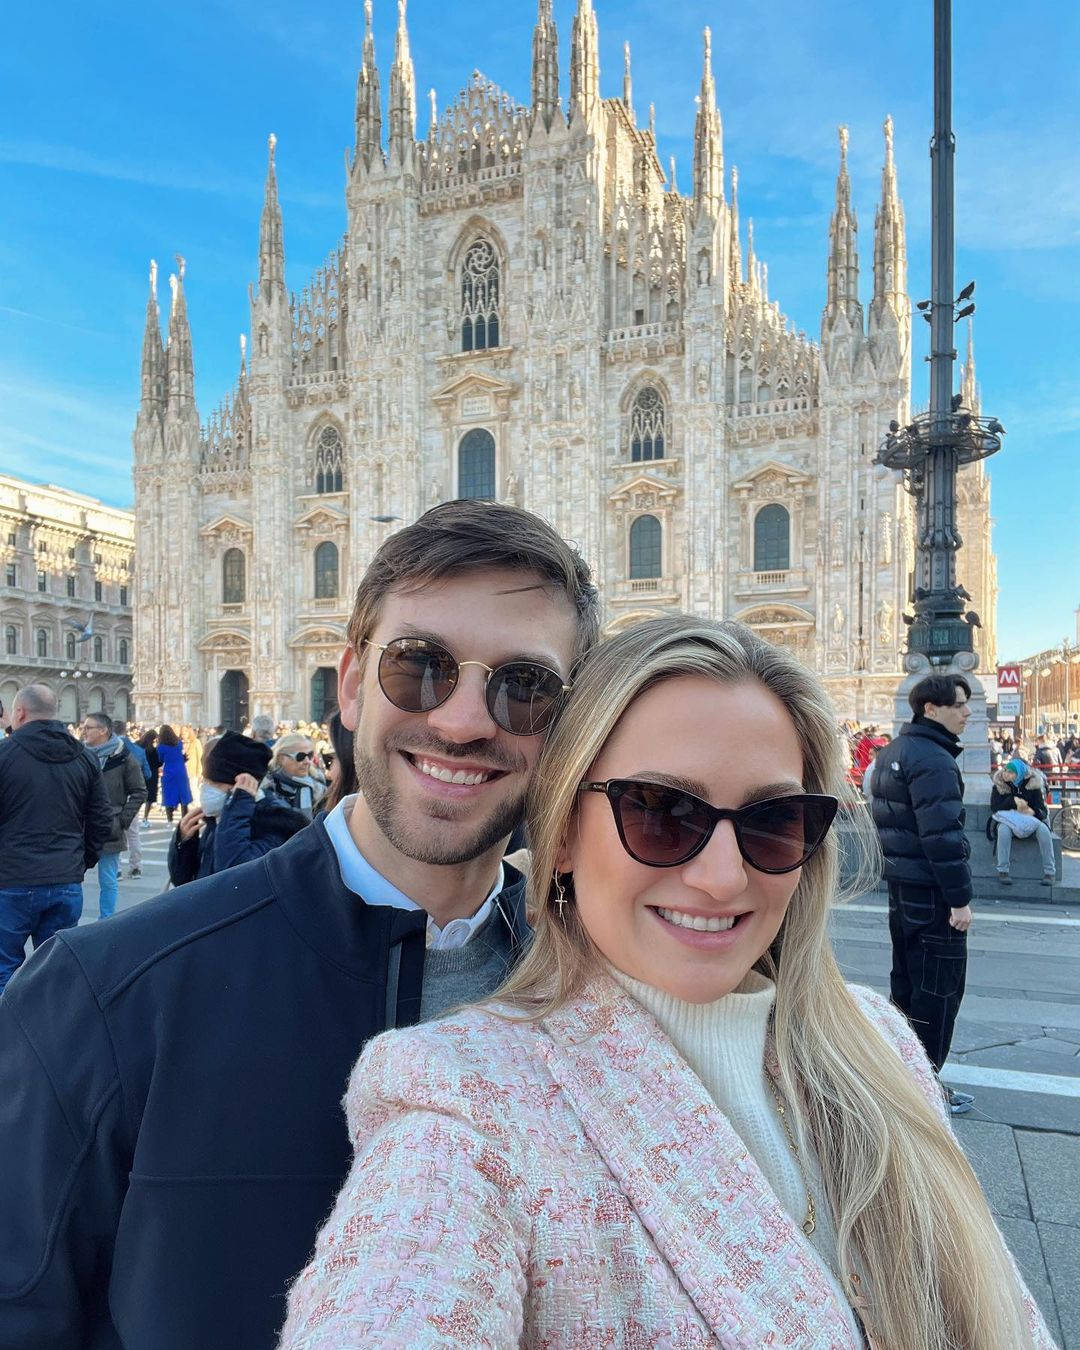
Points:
(648, 425)
(329, 474)
(772, 540)
(99, 649)
(645, 536)
(476, 465)
(480, 297)
(69, 646)
(122, 651)
(42, 642)
(326, 571)
(11, 639)
(232, 577)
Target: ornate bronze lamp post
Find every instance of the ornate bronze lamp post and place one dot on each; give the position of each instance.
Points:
(936, 443)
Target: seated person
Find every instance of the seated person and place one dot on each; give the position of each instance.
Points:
(674, 1124)
(230, 825)
(1017, 811)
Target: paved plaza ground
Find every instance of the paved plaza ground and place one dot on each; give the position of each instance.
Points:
(1017, 1048)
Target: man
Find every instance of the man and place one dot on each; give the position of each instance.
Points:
(918, 807)
(54, 821)
(133, 841)
(263, 729)
(171, 1135)
(126, 790)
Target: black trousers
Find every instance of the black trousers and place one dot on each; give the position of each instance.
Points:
(929, 964)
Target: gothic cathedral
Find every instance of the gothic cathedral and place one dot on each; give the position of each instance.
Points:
(525, 307)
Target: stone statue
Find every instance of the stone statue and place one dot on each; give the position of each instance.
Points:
(839, 623)
(702, 378)
(885, 538)
(885, 623)
(513, 489)
(435, 492)
(837, 555)
(703, 268)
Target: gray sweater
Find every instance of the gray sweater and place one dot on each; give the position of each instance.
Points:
(466, 974)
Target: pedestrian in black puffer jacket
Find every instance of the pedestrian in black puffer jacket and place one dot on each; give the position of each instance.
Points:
(918, 809)
(917, 799)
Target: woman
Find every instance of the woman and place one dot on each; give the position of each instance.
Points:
(341, 777)
(677, 1125)
(291, 778)
(1017, 811)
(231, 825)
(175, 788)
(146, 740)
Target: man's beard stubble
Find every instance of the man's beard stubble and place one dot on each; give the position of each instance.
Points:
(381, 799)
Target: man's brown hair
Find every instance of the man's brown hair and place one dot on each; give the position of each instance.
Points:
(466, 536)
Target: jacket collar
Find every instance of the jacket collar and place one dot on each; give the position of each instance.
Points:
(348, 932)
(932, 732)
(712, 1214)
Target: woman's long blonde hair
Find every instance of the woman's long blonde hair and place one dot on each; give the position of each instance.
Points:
(911, 1217)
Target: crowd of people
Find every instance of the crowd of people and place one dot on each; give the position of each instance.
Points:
(617, 1094)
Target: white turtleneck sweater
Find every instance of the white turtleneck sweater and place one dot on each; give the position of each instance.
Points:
(724, 1044)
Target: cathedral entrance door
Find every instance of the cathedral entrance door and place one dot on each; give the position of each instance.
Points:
(234, 700)
(323, 693)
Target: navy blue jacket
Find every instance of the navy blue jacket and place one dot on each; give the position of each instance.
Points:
(918, 805)
(245, 831)
(171, 1130)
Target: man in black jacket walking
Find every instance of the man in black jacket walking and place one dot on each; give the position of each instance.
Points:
(54, 821)
(171, 1131)
(917, 797)
(126, 790)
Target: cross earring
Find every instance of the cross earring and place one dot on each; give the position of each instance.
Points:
(560, 893)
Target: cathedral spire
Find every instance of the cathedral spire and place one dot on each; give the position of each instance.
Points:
(708, 141)
(153, 353)
(433, 120)
(674, 186)
(368, 99)
(734, 248)
(402, 93)
(627, 83)
(890, 304)
(843, 276)
(179, 360)
(584, 63)
(271, 234)
(969, 388)
(545, 66)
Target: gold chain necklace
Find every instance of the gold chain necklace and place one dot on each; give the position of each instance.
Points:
(859, 1303)
(810, 1222)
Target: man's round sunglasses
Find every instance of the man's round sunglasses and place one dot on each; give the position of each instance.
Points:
(665, 827)
(418, 675)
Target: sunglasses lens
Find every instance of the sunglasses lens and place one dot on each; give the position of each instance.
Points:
(661, 826)
(523, 697)
(415, 675)
(778, 836)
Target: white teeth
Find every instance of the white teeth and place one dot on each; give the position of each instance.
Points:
(449, 775)
(697, 921)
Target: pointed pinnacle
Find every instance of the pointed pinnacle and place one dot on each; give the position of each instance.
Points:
(844, 135)
(153, 278)
(181, 265)
(271, 141)
(434, 111)
(888, 140)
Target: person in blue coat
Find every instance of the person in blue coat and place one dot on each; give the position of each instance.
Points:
(171, 1131)
(175, 787)
(229, 826)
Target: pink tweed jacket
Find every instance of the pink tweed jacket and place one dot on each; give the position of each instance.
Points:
(567, 1185)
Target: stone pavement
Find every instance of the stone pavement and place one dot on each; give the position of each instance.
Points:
(1017, 1048)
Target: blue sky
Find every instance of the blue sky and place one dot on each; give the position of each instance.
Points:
(130, 131)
